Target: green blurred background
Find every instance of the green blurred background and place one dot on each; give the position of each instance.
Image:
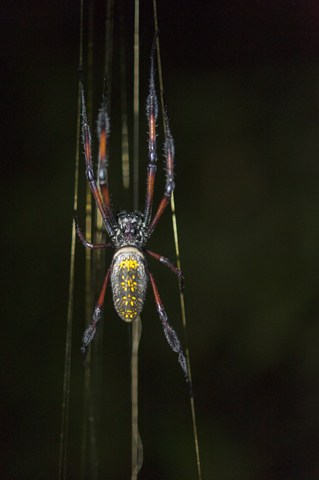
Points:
(242, 89)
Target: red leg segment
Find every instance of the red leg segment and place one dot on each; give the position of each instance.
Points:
(89, 171)
(169, 185)
(103, 128)
(152, 113)
(170, 265)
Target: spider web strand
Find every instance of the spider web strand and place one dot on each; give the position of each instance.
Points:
(123, 99)
(62, 474)
(137, 446)
(176, 242)
(86, 430)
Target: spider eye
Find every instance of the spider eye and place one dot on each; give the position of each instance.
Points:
(121, 216)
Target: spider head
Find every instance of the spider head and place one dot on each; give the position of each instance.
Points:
(130, 229)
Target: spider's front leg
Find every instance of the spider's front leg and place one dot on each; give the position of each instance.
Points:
(152, 113)
(105, 210)
(90, 331)
(170, 334)
(169, 151)
(103, 130)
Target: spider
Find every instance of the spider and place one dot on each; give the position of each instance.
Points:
(129, 232)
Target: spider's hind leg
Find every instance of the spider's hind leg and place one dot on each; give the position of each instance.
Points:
(170, 334)
(90, 331)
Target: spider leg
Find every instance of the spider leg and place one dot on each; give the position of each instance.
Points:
(85, 242)
(90, 331)
(86, 137)
(103, 129)
(170, 265)
(169, 152)
(169, 332)
(152, 113)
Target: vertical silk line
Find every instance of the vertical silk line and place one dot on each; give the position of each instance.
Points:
(124, 127)
(88, 272)
(176, 242)
(98, 268)
(137, 447)
(62, 474)
(99, 254)
(109, 19)
(136, 107)
(98, 258)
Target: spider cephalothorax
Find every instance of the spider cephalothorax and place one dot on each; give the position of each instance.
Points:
(130, 229)
(129, 232)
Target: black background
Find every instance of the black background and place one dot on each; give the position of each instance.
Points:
(242, 88)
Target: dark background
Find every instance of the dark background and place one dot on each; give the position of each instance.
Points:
(242, 88)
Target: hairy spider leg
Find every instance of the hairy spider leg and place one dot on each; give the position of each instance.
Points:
(103, 130)
(92, 246)
(152, 114)
(86, 137)
(90, 331)
(170, 265)
(169, 332)
(169, 152)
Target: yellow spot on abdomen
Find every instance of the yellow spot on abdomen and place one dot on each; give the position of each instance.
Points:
(128, 284)
(128, 264)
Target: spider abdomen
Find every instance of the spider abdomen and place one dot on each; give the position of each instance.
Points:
(129, 282)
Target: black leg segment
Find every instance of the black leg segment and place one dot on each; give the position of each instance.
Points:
(90, 331)
(169, 332)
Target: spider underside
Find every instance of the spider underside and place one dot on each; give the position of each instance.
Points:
(129, 232)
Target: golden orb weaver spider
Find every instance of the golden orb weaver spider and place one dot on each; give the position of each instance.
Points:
(129, 231)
